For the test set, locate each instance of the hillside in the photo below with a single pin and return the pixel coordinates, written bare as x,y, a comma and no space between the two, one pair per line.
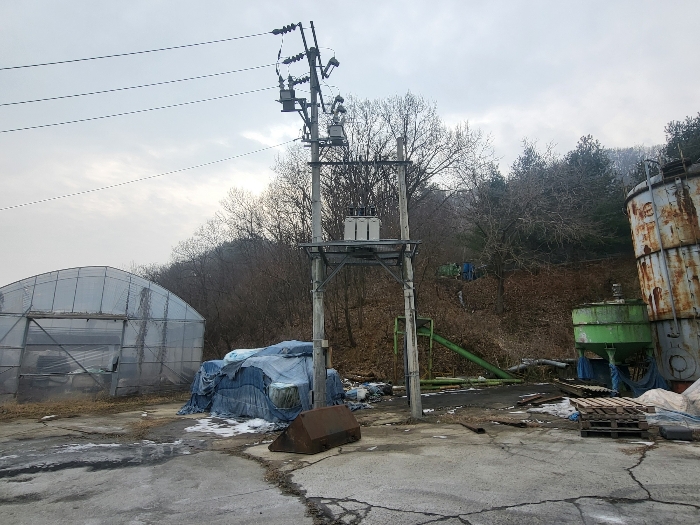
537,321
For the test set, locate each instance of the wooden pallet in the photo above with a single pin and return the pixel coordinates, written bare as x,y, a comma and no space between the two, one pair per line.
539,399
600,414
613,417
583,390
615,433
611,424
611,405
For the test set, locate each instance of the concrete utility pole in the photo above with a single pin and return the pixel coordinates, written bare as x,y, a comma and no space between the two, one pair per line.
408,294
318,270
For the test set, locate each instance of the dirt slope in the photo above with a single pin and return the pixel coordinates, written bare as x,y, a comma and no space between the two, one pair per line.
537,321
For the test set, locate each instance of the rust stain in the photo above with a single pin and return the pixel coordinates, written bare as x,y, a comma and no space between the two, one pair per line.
646,273
656,301
688,210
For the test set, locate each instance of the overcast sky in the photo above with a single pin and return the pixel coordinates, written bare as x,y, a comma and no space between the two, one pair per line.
549,70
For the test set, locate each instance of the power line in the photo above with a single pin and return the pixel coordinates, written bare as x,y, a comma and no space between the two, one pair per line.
135,87
137,111
133,52
49,199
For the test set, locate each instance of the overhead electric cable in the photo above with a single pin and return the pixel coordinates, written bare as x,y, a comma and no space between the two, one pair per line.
136,87
144,178
134,52
138,110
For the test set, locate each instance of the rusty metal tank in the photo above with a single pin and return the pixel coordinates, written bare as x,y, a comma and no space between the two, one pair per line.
666,237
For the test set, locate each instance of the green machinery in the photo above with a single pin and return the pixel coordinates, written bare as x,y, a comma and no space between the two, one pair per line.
426,328
614,330
449,270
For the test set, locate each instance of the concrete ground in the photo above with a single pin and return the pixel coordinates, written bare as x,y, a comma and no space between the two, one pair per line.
131,468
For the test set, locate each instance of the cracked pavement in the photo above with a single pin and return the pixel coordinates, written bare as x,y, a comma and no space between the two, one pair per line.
91,470
444,473
513,476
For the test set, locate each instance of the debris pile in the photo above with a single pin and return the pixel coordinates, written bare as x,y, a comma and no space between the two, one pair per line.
360,396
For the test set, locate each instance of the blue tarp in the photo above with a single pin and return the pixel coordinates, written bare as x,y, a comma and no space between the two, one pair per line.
584,369
239,388
652,379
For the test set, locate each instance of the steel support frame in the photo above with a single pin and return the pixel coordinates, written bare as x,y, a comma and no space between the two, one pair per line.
344,262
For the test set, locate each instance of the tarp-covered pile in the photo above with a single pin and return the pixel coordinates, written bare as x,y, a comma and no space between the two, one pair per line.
271,383
672,408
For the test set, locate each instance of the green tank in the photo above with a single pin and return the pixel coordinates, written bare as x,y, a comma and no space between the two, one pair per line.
614,330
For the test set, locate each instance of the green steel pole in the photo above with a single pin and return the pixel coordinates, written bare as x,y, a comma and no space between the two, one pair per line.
467,355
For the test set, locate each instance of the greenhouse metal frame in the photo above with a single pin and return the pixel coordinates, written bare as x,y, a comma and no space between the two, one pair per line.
95,330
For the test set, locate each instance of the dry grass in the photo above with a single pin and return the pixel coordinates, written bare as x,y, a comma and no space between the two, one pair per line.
140,429
537,321
79,407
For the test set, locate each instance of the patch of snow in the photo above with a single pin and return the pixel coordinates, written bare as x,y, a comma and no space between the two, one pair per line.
428,410
48,418
562,409
77,448
440,437
607,519
517,412
231,427
372,448
646,443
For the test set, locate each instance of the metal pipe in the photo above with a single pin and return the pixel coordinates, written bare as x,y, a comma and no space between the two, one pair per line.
662,251
473,428
502,374
536,362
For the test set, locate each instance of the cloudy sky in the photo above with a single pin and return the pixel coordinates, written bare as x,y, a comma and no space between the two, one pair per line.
546,70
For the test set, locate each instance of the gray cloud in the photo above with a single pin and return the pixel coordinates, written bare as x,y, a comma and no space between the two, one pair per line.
551,71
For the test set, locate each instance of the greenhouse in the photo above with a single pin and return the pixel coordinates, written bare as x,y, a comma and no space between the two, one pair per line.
95,330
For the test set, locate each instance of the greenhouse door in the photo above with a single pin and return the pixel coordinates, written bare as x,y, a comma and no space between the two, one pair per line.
68,357
12,328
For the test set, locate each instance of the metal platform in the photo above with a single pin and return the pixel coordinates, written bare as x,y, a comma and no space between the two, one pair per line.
387,253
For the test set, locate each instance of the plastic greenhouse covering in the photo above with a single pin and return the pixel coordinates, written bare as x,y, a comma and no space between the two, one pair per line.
271,383
95,329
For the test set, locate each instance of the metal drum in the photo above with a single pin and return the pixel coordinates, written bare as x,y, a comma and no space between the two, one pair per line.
615,330
666,233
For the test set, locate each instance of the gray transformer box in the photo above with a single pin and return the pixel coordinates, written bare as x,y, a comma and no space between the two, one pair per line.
362,228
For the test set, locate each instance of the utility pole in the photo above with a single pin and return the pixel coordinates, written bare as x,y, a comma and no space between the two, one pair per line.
409,295
318,270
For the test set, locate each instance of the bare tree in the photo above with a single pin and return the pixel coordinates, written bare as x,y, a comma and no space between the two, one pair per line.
244,270
545,205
